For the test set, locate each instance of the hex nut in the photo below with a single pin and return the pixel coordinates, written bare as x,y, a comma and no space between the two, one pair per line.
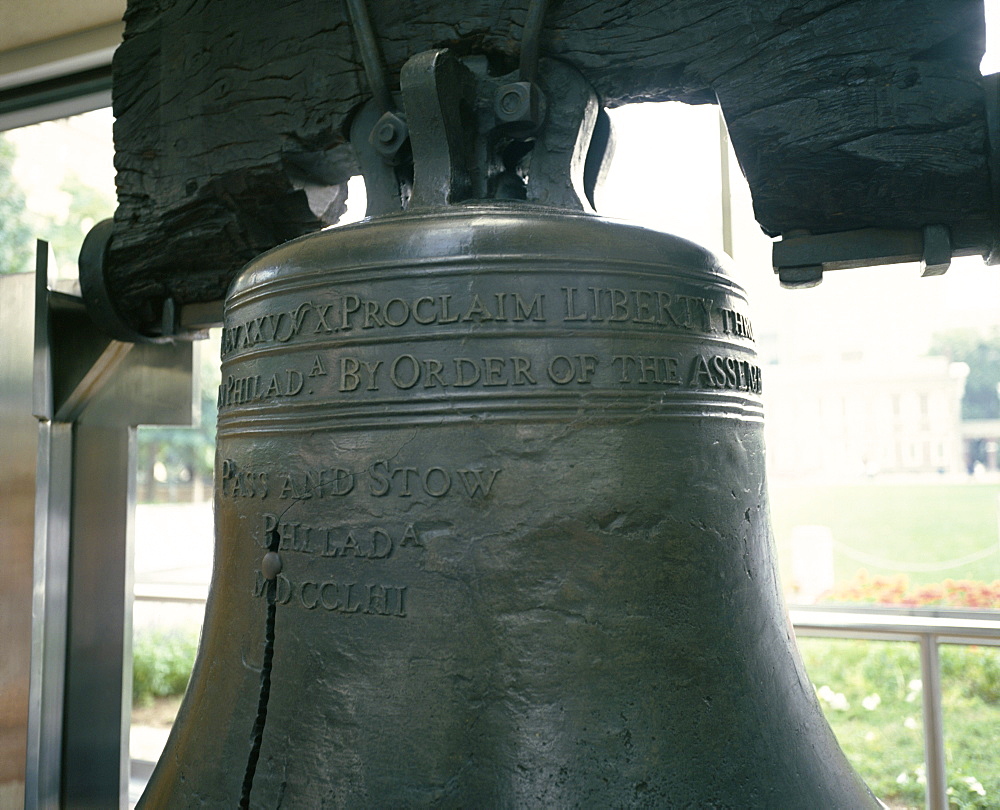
389,135
519,107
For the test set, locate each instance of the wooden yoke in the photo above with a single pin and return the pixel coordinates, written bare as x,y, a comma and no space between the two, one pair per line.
231,116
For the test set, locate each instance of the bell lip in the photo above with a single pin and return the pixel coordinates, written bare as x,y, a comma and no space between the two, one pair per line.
522,220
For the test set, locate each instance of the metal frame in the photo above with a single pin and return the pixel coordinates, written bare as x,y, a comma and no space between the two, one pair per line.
64,76
55,98
18,448
90,393
928,632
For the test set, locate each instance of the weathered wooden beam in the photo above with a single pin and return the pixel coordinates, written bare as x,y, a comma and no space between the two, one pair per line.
230,115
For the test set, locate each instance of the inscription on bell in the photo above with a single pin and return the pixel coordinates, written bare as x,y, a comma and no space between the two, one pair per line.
577,306
725,372
656,307
379,479
374,543
407,371
260,387
366,313
350,312
337,596
419,372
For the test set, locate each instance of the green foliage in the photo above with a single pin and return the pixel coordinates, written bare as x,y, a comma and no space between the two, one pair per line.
16,243
161,664
871,694
19,227
974,670
981,352
87,207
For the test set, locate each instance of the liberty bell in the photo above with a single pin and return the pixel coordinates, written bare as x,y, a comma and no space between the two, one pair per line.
492,524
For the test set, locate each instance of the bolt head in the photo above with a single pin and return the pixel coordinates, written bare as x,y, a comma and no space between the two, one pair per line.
386,133
270,566
512,102
389,135
519,107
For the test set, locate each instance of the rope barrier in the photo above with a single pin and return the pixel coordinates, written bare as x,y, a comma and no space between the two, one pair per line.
914,568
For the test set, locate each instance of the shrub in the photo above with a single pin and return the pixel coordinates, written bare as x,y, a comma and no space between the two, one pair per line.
871,694
161,664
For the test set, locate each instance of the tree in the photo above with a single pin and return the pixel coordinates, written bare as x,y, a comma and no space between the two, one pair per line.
16,247
981,352
87,206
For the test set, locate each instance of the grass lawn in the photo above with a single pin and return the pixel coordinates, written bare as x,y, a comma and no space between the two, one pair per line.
871,694
918,524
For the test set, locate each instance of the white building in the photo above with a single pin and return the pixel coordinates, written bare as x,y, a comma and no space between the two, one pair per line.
848,419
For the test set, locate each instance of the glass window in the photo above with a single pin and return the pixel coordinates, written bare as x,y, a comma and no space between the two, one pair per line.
57,179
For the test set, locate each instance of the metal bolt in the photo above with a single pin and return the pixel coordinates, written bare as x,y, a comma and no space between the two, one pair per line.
386,133
389,135
511,102
271,565
519,108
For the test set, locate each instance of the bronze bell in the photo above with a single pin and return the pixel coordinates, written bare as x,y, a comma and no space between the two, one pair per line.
491,512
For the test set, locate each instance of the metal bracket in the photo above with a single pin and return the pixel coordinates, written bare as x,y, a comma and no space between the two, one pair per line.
439,95
936,256
476,136
801,258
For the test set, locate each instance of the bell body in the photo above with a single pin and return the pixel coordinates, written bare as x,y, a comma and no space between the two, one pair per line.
506,467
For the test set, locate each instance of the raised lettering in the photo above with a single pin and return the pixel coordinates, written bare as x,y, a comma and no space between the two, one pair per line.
405,376
410,538
321,324
371,315
318,370
402,308
493,369
523,312
283,590
372,369
379,484
349,377
561,370
569,299
477,311
432,371
476,483
701,374
619,305
522,371
309,602
462,367
420,317
442,482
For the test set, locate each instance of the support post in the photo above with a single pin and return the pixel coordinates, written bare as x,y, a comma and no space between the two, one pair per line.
90,394
937,780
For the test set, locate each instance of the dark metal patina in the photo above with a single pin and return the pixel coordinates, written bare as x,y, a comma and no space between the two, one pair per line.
491,510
